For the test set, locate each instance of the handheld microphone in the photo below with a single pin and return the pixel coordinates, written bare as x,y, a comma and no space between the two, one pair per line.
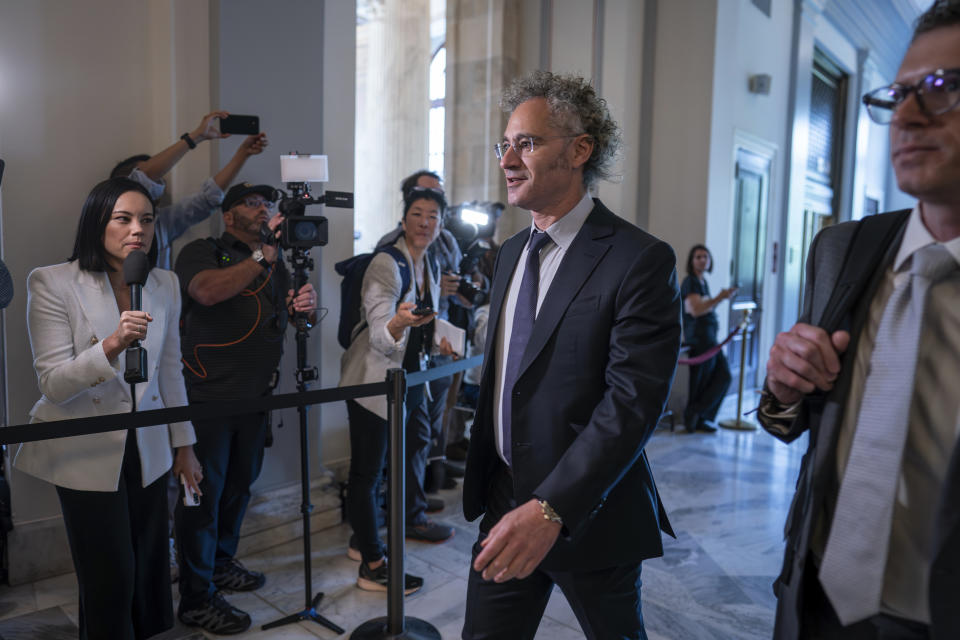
136,267
6,286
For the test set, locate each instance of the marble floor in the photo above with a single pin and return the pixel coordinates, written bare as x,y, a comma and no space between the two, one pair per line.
726,494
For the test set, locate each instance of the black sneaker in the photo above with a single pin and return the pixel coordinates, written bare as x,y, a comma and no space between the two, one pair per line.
377,579
233,576
429,531
216,615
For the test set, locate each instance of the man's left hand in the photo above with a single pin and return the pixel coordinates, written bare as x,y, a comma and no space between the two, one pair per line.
305,300
517,544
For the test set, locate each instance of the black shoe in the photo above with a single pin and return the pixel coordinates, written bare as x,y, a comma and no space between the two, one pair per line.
429,531
377,579
233,576
434,505
706,427
216,615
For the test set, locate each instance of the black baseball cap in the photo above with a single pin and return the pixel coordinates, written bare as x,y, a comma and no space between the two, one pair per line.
238,191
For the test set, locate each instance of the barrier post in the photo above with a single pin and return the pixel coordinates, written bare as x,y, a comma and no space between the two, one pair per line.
738,423
396,625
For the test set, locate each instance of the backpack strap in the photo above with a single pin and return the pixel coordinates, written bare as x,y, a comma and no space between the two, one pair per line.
402,264
871,239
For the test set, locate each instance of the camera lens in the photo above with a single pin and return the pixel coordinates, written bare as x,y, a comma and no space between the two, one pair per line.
305,231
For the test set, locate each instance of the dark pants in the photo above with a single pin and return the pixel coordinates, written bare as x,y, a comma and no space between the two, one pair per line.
369,440
708,386
118,541
605,601
820,621
231,452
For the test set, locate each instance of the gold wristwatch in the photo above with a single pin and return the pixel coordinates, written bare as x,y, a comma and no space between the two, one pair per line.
548,512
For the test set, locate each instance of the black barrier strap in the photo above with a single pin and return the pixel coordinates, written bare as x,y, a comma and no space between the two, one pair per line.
116,421
443,370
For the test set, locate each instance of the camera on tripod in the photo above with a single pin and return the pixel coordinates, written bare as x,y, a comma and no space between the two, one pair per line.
299,230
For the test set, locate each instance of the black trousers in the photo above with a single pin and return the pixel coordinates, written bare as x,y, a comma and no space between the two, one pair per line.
231,452
369,444
118,541
708,386
605,601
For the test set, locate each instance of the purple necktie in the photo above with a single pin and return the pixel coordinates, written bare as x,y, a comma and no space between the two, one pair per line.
524,313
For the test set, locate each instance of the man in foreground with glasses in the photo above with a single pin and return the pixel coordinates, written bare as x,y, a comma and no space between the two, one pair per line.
236,303
870,371
581,349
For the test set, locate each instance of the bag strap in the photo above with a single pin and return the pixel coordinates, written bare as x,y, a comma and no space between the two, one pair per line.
871,239
402,264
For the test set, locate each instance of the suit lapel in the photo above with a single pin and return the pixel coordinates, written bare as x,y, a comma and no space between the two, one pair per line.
581,259
97,302
154,304
507,262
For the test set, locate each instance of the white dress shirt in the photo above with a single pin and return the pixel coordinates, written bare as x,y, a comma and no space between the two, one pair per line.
562,232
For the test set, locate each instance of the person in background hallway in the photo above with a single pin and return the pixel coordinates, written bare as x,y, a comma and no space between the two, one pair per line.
112,486
873,535
708,381
582,344
173,220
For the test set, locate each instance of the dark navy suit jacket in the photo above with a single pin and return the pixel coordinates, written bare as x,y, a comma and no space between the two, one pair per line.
593,383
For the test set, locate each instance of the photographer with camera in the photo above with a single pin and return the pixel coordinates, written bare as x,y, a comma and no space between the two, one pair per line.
395,330
174,219
236,305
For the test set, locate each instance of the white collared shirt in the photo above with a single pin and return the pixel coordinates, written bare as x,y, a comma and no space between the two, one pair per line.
562,232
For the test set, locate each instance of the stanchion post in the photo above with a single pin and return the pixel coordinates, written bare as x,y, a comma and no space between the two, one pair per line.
738,423
396,394
396,626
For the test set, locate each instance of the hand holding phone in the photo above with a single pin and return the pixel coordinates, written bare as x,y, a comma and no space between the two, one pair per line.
422,311
190,497
246,125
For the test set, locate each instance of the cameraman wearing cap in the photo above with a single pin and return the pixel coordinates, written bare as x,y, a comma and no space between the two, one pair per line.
236,305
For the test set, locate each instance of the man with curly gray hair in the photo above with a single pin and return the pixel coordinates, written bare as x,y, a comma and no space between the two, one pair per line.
581,348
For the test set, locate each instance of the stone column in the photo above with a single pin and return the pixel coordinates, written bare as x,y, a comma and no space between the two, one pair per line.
393,61
483,41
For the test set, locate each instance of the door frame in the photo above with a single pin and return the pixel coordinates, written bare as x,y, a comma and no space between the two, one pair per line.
769,151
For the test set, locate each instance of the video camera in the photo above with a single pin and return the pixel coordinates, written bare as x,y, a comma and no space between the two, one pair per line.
472,225
299,230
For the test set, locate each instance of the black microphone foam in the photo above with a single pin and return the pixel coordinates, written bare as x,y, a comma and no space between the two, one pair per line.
136,268
6,286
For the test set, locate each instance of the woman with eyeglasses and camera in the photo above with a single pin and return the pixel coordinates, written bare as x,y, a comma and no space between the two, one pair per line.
112,486
395,331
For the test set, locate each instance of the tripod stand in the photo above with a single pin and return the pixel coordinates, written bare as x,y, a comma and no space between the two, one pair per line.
301,263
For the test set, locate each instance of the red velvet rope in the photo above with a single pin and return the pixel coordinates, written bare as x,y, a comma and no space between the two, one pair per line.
712,351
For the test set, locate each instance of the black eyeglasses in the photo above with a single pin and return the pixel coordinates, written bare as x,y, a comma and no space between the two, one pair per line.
937,93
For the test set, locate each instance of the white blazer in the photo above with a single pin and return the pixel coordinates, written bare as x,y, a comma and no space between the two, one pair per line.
69,313
374,351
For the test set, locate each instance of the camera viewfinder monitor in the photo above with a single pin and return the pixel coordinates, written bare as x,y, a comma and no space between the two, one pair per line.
303,168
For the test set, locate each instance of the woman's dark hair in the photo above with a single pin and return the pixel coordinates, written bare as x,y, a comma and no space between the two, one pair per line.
693,251
423,193
411,180
88,248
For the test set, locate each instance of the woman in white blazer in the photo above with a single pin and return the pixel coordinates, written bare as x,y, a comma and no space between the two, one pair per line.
392,336
112,486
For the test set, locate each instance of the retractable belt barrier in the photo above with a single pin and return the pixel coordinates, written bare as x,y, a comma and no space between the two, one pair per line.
116,421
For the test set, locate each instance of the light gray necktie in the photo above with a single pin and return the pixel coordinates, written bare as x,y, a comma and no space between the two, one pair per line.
856,552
